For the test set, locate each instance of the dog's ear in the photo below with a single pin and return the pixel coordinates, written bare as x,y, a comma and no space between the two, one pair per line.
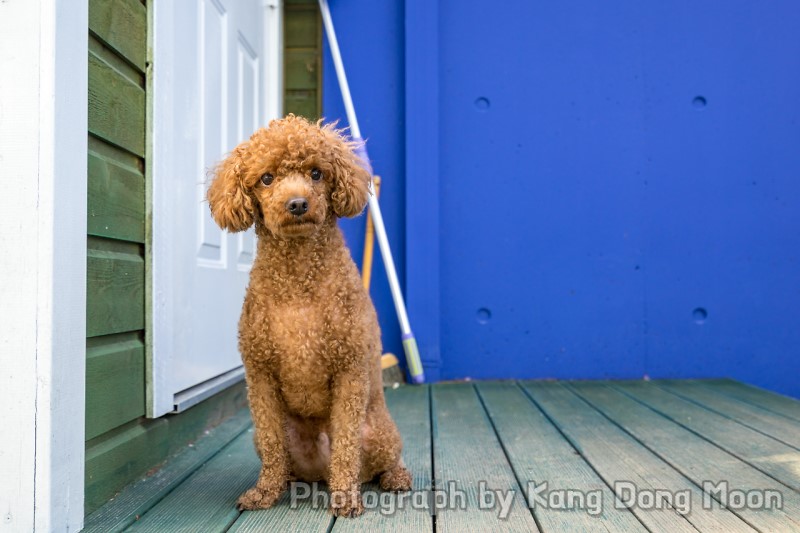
231,205
351,178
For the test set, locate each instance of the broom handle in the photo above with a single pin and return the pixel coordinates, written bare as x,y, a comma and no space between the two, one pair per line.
369,240
409,343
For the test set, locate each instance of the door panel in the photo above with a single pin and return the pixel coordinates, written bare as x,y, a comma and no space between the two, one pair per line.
212,44
216,80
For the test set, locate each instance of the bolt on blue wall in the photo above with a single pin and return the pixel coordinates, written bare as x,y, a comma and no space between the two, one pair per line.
618,183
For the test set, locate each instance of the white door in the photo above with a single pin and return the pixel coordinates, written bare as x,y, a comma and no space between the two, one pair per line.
216,79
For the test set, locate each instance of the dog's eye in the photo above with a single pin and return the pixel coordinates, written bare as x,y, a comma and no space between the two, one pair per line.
267,178
316,174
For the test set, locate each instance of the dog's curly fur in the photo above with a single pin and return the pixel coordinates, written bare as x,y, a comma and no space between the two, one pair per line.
308,333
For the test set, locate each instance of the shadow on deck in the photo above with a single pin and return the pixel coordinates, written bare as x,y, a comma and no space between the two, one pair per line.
521,456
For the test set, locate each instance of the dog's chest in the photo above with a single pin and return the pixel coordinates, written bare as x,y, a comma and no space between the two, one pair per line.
295,325
302,366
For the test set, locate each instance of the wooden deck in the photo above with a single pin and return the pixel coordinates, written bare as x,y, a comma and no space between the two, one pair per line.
616,456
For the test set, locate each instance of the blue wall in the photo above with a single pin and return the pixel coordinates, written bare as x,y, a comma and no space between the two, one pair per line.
617,186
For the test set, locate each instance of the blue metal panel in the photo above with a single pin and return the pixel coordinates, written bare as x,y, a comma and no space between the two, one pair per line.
618,189
723,196
422,182
608,169
541,210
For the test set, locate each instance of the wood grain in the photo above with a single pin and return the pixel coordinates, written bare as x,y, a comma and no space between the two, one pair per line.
766,454
116,107
206,500
696,458
302,59
115,292
302,69
121,25
777,426
116,199
768,400
585,436
467,453
287,516
114,382
303,103
301,26
618,458
540,454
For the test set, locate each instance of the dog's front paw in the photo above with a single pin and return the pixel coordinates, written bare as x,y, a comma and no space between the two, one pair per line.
257,498
346,503
397,479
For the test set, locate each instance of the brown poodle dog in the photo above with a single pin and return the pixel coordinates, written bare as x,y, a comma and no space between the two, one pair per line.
308,333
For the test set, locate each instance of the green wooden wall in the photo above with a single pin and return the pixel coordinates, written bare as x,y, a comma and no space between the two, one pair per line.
302,56
115,310
121,444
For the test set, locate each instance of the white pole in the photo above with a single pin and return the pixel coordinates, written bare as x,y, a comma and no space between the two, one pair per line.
409,343
43,144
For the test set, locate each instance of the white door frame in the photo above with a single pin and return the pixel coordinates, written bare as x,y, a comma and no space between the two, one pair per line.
161,397
43,179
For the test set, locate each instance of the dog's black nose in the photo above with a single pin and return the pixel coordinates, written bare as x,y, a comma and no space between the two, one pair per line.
297,206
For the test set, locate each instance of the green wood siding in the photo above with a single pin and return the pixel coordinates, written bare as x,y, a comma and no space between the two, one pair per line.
116,106
122,26
302,30
116,193
115,368
115,297
119,442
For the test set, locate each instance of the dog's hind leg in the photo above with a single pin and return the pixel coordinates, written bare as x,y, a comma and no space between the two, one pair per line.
396,479
382,448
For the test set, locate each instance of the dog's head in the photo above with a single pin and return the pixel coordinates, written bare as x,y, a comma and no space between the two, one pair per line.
293,177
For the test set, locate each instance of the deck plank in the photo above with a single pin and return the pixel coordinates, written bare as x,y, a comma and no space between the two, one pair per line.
287,514
410,409
540,454
766,454
777,426
139,497
206,500
671,436
618,458
467,453
768,400
695,457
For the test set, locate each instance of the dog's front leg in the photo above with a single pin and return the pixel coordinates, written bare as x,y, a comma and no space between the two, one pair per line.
269,415
348,412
